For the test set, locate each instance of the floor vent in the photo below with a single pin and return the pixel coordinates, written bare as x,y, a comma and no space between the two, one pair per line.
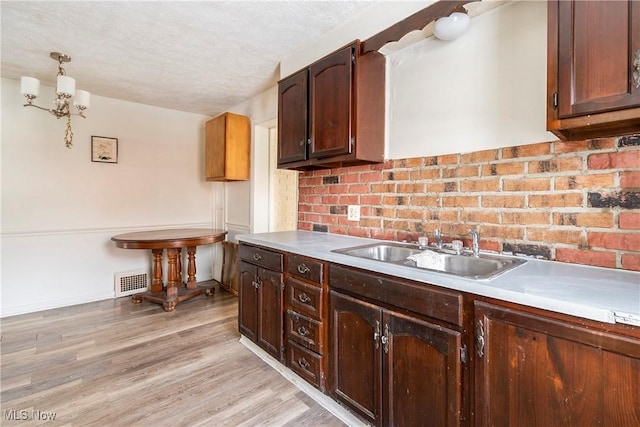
131,282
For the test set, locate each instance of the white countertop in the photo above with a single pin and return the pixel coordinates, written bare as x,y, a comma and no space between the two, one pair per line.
601,294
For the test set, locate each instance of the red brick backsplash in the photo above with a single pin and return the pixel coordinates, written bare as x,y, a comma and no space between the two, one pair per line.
576,202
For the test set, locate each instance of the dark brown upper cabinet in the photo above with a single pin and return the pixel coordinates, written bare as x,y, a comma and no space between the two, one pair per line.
292,118
331,113
593,80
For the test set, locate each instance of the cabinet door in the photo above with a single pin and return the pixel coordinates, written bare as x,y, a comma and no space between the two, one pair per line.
215,154
248,301
270,315
597,44
227,148
422,371
355,355
552,373
331,104
292,118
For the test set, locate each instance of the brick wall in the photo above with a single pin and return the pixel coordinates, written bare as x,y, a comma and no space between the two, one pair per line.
576,202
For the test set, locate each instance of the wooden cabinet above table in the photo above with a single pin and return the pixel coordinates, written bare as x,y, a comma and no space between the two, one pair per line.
227,149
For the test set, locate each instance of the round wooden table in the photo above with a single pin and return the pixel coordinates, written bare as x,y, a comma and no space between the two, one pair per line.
173,240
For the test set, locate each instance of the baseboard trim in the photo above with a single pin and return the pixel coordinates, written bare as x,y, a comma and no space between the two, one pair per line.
323,400
53,304
67,302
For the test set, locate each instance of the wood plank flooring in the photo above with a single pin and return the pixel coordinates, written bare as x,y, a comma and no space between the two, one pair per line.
113,363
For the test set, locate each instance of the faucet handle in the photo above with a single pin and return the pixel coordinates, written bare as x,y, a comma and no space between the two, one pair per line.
475,241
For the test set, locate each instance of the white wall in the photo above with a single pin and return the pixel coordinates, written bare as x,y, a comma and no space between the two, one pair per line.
487,89
59,209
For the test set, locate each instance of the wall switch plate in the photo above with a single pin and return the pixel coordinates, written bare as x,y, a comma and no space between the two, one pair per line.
353,213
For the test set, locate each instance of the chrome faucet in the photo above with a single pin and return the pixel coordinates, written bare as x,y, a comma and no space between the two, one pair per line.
475,242
438,237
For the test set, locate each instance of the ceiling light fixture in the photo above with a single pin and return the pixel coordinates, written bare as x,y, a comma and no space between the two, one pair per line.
452,26
65,89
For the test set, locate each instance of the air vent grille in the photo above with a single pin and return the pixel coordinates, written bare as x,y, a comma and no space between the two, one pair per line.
131,282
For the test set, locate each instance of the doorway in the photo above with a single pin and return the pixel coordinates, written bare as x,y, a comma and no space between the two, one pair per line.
283,191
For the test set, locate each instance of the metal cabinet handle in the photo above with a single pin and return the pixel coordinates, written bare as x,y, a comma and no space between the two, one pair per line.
304,298
257,257
480,339
302,331
303,363
376,335
385,339
303,269
635,69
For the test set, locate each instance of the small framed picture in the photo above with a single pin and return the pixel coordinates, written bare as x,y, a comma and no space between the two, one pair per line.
104,149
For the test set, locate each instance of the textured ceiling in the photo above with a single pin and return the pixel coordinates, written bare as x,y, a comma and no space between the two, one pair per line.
202,57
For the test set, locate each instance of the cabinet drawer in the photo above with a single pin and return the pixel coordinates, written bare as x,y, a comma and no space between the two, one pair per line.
305,268
305,363
304,298
304,331
417,297
262,257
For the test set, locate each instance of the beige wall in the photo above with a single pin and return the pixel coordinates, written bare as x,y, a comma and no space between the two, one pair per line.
59,209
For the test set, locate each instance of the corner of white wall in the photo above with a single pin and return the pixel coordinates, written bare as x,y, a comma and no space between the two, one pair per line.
376,18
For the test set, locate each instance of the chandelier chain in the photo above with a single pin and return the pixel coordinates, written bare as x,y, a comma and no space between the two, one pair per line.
61,71
68,134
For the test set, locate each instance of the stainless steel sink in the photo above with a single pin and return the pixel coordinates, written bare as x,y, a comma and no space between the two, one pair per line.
387,252
464,265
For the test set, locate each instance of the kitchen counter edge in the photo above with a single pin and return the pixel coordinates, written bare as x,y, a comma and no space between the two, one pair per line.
595,293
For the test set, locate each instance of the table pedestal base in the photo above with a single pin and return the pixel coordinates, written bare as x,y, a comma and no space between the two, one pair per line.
175,295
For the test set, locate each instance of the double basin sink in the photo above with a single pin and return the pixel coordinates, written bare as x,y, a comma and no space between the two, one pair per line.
464,264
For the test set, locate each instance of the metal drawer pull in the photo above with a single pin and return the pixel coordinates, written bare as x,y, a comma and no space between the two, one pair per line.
257,257
304,298
303,269
303,363
302,331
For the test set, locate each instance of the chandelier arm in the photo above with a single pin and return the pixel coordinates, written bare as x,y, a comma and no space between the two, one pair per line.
56,112
51,110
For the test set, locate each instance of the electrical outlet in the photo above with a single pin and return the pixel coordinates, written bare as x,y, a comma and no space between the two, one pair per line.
353,213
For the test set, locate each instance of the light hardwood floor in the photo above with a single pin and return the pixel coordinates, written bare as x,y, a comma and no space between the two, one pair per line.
113,363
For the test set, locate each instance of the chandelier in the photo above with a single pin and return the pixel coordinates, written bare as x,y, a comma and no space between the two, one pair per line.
65,90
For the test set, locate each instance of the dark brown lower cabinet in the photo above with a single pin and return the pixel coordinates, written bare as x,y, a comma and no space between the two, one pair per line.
536,371
260,308
393,369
